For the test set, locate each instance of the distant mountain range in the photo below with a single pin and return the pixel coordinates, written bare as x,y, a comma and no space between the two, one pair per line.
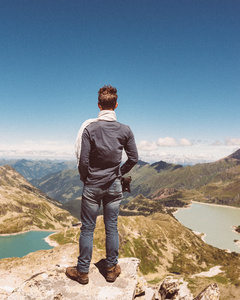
63,186
24,207
216,182
32,169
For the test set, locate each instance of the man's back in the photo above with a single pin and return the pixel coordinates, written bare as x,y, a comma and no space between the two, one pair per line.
102,146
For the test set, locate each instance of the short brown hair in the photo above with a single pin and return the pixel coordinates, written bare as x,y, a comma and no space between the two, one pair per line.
107,97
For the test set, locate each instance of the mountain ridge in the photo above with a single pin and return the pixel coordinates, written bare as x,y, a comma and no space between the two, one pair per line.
235,155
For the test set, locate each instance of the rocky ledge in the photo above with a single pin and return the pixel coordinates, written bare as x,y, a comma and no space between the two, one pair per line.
53,284
41,275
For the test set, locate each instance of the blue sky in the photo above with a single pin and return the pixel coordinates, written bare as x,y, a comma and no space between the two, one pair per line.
175,63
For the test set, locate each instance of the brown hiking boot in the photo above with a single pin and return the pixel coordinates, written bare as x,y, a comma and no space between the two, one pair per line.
113,273
74,274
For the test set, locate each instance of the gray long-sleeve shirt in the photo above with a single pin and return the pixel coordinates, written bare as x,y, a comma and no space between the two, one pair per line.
101,153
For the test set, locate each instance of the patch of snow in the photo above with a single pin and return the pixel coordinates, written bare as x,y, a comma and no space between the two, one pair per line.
212,272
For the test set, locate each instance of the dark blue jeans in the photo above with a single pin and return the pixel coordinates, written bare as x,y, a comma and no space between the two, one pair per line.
91,201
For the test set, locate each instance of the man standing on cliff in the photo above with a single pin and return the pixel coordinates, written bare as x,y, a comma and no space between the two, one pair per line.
99,147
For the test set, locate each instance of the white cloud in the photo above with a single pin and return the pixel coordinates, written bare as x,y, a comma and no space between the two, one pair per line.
217,143
152,151
186,151
185,142
39,149
147,146
232,142
167,142
162,142
197,153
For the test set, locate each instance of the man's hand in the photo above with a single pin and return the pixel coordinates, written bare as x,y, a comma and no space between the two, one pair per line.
125,181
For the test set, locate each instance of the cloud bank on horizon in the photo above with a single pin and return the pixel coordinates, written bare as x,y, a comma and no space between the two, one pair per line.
186,151
167,149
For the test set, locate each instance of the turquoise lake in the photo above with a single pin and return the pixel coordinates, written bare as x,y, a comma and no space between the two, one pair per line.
20,245
215,221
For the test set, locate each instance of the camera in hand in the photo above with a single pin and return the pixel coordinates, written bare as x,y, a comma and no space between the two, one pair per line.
125,181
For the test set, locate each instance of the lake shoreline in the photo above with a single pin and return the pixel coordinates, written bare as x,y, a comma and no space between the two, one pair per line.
214,204
51,242
22,232
46,239
203,203
201,235
22,243
201,223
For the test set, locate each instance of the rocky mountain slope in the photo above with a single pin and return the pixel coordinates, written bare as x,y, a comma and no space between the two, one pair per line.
24,207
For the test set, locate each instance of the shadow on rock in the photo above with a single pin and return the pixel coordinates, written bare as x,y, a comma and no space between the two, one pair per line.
101,265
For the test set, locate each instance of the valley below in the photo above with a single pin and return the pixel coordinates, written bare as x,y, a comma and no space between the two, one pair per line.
148,228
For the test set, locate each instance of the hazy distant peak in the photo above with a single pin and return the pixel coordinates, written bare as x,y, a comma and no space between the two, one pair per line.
162,165
235,155
142,163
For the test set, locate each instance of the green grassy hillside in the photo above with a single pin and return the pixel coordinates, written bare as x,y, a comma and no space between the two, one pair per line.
147,181
63,186
223,189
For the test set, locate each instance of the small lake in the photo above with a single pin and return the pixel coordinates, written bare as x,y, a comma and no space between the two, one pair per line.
20,245
215,221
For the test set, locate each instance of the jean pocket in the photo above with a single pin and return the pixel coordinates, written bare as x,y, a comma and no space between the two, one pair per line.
89,192
115,188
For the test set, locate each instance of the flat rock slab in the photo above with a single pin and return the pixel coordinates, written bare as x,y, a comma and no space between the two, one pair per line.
53,284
